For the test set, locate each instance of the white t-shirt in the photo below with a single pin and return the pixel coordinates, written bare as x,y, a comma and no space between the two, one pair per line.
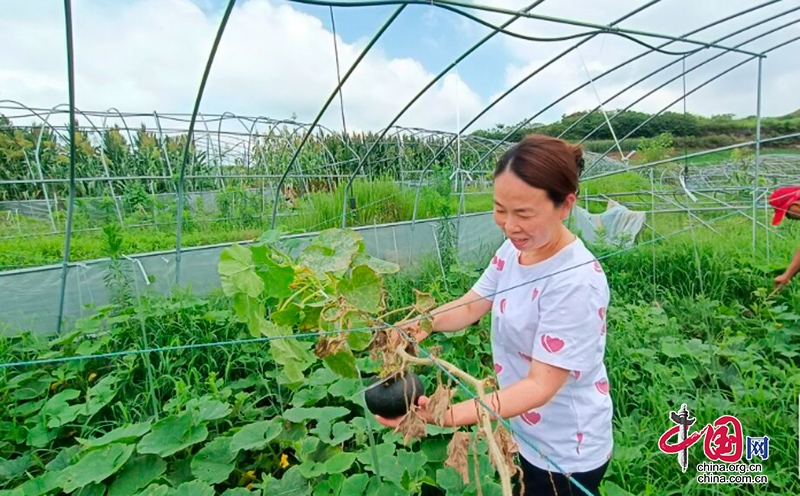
558,319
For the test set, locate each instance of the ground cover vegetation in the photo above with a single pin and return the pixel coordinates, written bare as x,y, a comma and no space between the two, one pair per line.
691,321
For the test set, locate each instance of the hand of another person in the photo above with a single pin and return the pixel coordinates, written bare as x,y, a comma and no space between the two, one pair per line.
782,280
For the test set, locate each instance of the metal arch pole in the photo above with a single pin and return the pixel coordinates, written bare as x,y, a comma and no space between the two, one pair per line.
428,86
70,207
606,73
691,155
695,31
221,29
451,4
333,94
683,74
758,151
735,66
514,88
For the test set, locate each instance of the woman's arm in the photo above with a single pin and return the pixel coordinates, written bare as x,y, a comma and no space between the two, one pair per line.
450,317
460,313
534,390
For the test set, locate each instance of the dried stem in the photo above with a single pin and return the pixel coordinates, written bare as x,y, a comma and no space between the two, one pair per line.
484,421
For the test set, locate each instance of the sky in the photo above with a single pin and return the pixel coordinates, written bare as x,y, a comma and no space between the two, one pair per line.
276,59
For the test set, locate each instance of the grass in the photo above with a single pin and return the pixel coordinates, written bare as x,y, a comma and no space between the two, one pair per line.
690,322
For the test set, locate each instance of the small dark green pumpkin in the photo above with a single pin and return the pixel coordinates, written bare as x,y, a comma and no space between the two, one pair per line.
391,399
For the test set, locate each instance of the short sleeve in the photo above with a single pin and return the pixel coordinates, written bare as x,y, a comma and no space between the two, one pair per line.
571,330
486,285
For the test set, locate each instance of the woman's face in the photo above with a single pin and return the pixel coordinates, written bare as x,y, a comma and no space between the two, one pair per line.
526,214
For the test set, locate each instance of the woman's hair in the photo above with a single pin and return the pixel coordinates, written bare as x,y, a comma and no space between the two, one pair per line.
546,163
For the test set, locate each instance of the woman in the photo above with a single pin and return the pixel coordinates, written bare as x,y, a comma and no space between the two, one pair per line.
786,203
548,296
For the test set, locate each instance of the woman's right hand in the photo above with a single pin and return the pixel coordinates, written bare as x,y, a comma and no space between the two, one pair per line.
411,328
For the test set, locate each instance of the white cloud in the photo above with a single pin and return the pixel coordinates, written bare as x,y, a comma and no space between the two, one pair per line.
732,93
273,61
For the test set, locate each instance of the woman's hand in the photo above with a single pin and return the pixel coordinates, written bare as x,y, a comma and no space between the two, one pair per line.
396,338
421,409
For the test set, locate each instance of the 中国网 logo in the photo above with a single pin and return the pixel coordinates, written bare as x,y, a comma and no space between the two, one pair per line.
723,440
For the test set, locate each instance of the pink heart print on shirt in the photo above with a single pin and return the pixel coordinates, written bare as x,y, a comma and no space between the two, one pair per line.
579,436
597,267
577,374
602,386
531,418
499,262
498,368
503,306
535,294
551,344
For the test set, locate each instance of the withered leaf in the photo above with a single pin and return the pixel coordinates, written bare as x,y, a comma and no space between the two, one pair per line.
424,302
411,427
439,403
508,447
327,346
457,452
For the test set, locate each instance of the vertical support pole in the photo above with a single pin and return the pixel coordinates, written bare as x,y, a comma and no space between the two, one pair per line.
189,136
71,203
758,151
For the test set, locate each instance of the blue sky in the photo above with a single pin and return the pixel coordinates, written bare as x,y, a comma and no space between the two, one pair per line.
432,36
276,60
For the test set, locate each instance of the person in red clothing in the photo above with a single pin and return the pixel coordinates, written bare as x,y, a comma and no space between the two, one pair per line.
786,203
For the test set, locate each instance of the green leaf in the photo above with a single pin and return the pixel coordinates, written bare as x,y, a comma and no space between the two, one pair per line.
240,491
291,484
450,480
331,486
256,435
207,409
288,317
363,289
339,463
612,489
237,274
58,411
343,363
331,251
137,474
193,488
94,489
270,237
276,277
99,395
121,434
311,469
215,462
95,466
329,413
172,434
355,485
376,264
10,469
155,490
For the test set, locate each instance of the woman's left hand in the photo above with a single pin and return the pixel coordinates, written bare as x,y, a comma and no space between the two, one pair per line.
421,409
